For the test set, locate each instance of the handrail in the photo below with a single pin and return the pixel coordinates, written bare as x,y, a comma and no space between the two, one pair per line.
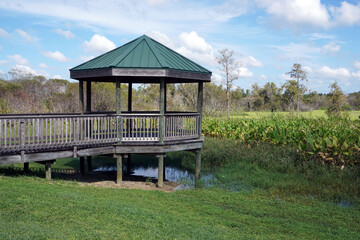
32,133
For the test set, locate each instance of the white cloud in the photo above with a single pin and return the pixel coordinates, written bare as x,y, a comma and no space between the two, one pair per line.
25,70
298,12
307,69
346,14
98,44
86,58
3,33
331,48
43,65
245,73
263,77
357,64
155,2
18,59
0,47
284,77
193,42
56,56
161,38
24,35
66,33
297,52
57,77
216,78
320,36
3,62
196,48
356,74
251,62
334,73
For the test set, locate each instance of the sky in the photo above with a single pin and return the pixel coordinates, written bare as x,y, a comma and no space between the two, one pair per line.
48,37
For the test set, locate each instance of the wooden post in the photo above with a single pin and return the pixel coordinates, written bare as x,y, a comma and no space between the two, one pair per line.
119,170
197,167
88,96
89,163
165,96
82,166
160,182
164,175
130,97
128,162
81,96
26,167
162,111
48,170
200,105
118,108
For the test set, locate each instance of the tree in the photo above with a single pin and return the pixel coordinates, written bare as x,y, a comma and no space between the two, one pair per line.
337,100
299,76
229,69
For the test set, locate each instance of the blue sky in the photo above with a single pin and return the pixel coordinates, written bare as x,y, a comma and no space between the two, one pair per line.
49,37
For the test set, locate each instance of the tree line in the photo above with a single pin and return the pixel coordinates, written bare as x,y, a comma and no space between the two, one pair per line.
26,93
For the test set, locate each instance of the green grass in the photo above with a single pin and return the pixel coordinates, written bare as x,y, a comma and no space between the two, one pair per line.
311,114
32,208
262,192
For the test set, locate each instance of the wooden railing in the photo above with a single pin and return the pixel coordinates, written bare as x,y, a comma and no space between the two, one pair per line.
32,133
46,132
181,126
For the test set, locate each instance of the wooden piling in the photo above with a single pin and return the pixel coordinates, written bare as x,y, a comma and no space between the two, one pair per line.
160,182
119,170
48,170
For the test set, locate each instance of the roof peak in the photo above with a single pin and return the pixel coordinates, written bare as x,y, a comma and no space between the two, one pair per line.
142,53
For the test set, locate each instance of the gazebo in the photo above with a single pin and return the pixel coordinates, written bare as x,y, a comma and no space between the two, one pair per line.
125,131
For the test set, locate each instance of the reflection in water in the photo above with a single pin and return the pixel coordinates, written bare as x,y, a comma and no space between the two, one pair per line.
171,174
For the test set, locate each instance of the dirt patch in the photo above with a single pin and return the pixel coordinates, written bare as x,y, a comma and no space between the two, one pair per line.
168,185
108,180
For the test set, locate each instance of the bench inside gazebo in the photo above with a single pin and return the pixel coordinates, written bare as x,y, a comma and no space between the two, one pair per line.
47,137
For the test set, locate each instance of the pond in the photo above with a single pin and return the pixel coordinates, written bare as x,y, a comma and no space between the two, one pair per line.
173,172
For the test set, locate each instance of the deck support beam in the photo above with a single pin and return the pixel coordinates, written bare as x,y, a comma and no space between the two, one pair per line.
88,96
162,111
118,108
81,96
197,167
129,97
200,105
160,183
48,170
119,168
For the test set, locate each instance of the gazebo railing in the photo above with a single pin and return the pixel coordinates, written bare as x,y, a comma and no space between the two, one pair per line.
31,133
57,131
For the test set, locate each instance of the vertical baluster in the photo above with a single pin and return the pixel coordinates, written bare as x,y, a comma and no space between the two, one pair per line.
1,133
46,130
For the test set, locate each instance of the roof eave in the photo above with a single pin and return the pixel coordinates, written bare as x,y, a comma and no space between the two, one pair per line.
139,73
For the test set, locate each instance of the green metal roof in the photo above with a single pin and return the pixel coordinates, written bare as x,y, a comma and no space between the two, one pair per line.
142,53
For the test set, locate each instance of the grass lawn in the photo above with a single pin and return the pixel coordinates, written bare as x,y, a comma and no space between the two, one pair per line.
262,192
32,208
312,114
